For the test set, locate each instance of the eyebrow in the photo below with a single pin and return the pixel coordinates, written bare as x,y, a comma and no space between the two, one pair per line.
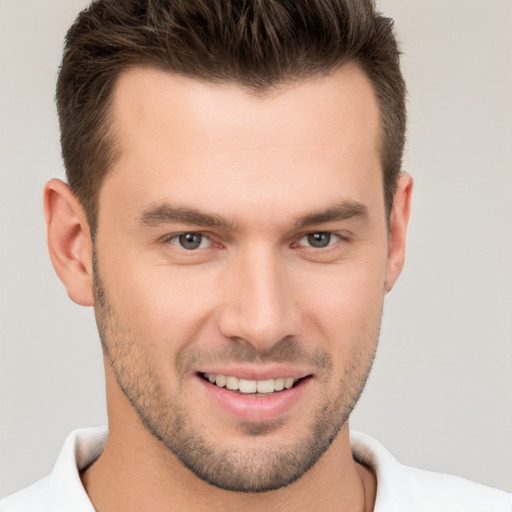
344,210
166,213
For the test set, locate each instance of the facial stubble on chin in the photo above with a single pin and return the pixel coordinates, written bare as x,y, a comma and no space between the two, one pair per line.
165,415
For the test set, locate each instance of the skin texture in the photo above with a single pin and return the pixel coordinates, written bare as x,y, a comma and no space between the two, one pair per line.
255,298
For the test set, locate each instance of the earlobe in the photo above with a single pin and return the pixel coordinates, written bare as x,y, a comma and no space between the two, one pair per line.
69,241
399,219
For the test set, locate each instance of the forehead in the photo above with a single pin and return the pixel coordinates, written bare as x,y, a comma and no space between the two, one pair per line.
175,133
196,115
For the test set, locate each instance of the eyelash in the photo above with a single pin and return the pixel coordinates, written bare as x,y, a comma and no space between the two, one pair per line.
174,240
328,233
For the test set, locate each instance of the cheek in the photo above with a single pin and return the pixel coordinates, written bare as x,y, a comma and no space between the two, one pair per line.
166,305
344,307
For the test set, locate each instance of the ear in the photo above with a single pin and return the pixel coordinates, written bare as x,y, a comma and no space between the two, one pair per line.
398,221
69,241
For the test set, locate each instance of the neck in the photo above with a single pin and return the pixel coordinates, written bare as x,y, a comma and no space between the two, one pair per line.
129,478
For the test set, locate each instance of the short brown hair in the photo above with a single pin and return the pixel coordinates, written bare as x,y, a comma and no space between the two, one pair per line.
257,44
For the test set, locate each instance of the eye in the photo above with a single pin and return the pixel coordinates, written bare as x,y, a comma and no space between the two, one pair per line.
190,241
319,240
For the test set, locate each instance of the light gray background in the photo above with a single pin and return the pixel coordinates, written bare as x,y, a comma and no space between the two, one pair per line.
440,396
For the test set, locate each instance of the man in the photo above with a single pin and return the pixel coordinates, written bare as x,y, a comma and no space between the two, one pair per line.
235,214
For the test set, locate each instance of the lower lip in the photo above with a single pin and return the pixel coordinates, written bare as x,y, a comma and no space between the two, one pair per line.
254,408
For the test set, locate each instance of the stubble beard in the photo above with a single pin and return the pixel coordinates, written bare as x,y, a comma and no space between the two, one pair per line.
166,417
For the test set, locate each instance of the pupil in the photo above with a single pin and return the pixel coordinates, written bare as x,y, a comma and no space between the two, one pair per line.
319,239
190,240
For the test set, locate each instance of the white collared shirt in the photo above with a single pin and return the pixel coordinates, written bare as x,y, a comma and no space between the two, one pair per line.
399,488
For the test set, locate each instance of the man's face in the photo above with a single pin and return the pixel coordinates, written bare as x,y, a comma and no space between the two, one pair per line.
242,240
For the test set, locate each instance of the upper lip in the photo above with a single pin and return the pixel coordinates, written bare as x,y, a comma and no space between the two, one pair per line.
252,373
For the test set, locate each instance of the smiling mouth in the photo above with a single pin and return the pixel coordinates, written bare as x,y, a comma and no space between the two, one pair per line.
245,386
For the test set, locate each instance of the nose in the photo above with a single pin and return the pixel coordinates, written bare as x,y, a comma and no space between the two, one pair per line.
259,306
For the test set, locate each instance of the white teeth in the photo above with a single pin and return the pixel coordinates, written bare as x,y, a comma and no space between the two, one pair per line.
232,383
265,386
251,386
279,384
247,386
